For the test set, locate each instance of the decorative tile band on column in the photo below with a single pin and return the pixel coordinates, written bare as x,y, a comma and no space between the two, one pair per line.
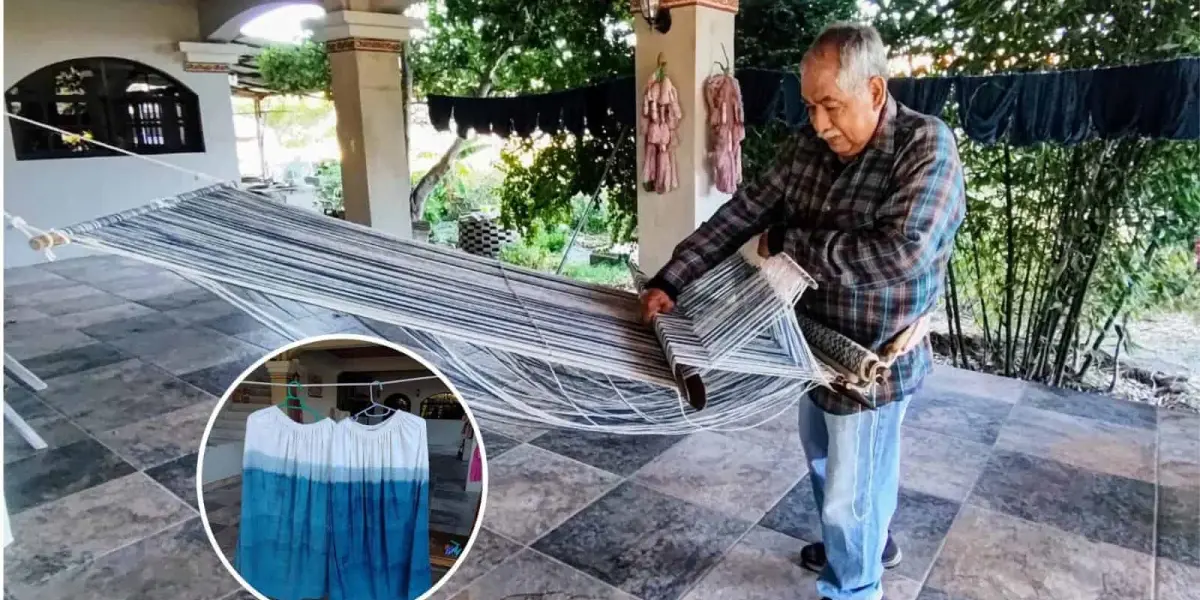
206,67
724,5
364,45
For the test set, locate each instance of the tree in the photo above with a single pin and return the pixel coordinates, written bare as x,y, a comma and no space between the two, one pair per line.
538,191
484,48
1060,242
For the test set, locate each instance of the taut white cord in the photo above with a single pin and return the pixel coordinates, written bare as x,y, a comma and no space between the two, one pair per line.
31,232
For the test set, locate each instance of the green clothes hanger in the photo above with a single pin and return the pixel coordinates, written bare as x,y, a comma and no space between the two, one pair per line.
292,397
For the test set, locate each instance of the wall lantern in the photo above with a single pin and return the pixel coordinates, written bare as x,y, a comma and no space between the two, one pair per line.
658,18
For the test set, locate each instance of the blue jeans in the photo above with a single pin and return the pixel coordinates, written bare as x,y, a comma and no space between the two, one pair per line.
855,465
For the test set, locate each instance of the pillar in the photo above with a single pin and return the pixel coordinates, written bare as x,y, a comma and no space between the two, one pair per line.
279,371
364,39
691,49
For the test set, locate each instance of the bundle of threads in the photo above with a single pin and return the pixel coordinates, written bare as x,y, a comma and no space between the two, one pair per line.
661,115
726,130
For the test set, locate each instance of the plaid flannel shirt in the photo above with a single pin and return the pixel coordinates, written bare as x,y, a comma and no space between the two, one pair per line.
876,233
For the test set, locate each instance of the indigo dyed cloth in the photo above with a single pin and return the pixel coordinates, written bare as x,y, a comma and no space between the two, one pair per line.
380,499
283,540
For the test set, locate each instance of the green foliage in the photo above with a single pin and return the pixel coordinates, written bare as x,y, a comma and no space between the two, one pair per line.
297,121
298,69
543,176
617,276
539,189
1060,243
463,190
329,184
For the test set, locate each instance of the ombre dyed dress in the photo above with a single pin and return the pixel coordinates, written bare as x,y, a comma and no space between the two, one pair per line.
380,496
283,546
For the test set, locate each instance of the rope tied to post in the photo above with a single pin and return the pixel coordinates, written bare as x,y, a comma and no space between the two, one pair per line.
39,239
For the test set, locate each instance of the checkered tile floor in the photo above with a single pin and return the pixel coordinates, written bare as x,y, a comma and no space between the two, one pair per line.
1010,490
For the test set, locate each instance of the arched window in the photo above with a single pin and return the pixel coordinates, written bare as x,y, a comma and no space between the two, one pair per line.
115,101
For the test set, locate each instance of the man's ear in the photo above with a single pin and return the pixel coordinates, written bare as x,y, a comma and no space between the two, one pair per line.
878,87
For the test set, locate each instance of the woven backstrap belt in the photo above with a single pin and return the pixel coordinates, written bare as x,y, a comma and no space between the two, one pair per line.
851,369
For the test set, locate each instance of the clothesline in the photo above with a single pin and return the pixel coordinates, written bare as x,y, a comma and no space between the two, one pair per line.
1158,99
365,383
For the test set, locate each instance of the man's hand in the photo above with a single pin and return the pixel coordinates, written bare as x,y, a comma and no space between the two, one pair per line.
764,250
655,301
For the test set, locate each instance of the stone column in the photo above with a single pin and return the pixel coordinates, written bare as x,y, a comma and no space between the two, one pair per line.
279,370
690,49
364,39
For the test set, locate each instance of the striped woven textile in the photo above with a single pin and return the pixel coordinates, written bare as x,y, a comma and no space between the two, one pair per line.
522,346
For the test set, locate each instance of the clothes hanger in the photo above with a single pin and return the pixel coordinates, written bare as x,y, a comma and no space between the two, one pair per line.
371,392
291,396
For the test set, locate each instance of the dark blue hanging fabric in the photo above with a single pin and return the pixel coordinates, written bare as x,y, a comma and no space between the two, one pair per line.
985,105
549,117
574,110
926,95
1158,100
440,109
1052,107
621,96
760,94
791,104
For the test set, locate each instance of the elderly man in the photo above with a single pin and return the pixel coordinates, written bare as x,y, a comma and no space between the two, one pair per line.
867,198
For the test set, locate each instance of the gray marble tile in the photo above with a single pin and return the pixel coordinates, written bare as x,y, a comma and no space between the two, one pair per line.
765,565
112,312
84,302
520,433
956,415
120,394
145,285
645,543
1176,581
947,380
232,324
105,269
179,476
35,294
940,465
530,491
217,380
22,314
66,362
176,563
29,274
53,474
178,300
162,438
724,474
488,550
264,338
779,436
186,349
74,530
1091,406
1179,449
28,340
918,526
203,312
930,593
620,454
990,556
1086,443
495,444
531,575
53,428
1179,525
149,321
1100,507
796,514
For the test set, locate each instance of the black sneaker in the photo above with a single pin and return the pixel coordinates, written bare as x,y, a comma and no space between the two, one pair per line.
812,556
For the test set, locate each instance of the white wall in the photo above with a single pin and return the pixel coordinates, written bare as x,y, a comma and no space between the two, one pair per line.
61,192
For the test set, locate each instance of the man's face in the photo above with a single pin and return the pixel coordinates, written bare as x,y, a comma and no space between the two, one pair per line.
845,119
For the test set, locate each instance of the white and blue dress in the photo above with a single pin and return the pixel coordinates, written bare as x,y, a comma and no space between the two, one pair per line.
335,510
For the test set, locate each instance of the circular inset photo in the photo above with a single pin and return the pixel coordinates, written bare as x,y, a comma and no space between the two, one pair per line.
341,467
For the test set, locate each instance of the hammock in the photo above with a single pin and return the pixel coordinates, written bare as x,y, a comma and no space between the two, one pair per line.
523,347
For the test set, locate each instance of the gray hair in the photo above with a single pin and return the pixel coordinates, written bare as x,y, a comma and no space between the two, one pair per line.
861,53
